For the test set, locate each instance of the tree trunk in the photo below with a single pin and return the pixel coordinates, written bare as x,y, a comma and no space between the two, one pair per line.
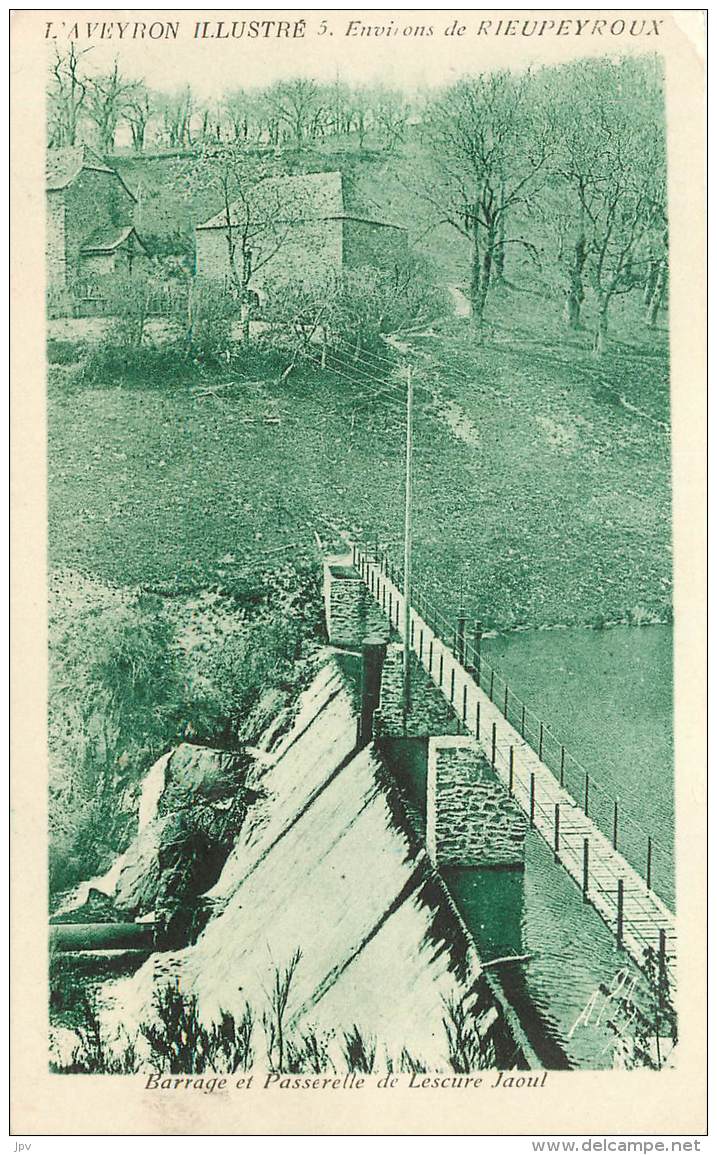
658,293
499,256
245,331
652,276
600,341
482,271
575,292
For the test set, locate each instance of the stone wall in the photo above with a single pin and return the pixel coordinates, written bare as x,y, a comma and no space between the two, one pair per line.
94,200
471,818
429,714
307,250
55,241
352,614
370,243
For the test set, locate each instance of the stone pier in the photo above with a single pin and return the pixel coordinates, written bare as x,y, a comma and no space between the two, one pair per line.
471,819
351,612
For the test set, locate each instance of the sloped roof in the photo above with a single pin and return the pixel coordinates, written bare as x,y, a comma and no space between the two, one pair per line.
108,238
312,196
64,165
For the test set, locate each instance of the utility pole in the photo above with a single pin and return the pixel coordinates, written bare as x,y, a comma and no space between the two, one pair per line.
407,542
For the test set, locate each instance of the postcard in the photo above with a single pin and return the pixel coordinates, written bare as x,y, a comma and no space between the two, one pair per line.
358,451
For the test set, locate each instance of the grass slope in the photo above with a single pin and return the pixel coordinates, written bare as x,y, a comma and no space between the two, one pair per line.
540,497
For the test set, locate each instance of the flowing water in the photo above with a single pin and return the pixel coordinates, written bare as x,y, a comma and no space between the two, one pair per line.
150,793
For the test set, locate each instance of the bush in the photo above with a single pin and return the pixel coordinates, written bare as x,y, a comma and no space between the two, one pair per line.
358,307
211,312
65,352
139,366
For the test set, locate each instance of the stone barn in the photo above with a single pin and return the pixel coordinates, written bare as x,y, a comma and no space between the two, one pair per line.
299,226
90,227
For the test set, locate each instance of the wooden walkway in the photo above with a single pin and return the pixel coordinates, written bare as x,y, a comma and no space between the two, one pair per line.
634,913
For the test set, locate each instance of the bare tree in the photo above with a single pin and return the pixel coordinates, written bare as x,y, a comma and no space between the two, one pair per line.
361,116
108,98
611,159
236,107
339,103
177,110
490,145
137,113
295,103
66,97
254,227
391,113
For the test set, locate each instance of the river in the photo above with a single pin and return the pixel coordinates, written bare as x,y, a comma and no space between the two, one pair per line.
607,695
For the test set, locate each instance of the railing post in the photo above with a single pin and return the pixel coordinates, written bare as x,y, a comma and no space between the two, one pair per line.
662,966
505,702
532,799
420,645
440,670
586,867
540,743
614,824
587,794
492,745
430,656
492,678
462,638
562,765
522,722
464,711
556,841
478,719
478,634
453,684
511,768
413,631
648,875
620,910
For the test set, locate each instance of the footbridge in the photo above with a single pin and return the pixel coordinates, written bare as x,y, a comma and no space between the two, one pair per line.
623,896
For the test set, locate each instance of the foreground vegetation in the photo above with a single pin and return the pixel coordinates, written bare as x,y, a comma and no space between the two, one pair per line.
175,1040
132,674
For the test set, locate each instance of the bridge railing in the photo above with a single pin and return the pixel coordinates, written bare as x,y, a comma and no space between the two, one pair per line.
647,854
638,921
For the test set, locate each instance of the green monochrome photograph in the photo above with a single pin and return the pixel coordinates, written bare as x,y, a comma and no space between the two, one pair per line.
362,607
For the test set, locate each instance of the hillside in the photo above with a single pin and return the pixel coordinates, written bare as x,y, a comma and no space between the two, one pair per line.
541,476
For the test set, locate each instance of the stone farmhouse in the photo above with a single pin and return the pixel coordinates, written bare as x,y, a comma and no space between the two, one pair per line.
90,229
299,226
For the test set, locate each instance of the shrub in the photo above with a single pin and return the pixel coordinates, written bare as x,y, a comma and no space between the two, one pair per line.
140,366
65,352
210,314
359,306
129,301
